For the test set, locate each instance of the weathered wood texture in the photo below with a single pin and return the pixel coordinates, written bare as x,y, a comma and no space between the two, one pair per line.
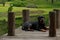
25,14
11,24
52,27
57,17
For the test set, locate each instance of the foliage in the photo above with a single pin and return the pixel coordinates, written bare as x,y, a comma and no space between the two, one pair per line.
19,3
3,2
10,8
38,3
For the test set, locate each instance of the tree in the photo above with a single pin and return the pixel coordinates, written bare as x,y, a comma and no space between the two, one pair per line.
52,1
3,2
10,8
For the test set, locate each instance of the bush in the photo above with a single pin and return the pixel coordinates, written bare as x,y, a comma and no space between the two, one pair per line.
19,3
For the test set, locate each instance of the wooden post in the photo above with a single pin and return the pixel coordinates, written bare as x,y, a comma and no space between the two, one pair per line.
25,14
57,18
52,28
11,24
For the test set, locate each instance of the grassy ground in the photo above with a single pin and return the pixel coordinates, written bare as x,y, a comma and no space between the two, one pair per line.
4,25
18,11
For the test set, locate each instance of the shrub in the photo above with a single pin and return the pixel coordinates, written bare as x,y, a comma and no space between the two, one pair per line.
10,8
19,3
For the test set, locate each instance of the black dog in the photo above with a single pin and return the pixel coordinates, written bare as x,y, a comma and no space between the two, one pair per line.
26,26
38,25
41,23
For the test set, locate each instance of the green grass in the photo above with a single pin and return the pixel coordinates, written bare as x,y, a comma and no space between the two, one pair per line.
18,11
48,4
4,25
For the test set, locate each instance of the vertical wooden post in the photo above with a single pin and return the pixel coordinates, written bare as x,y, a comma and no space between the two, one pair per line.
25,14
52,28
11,24
57,18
